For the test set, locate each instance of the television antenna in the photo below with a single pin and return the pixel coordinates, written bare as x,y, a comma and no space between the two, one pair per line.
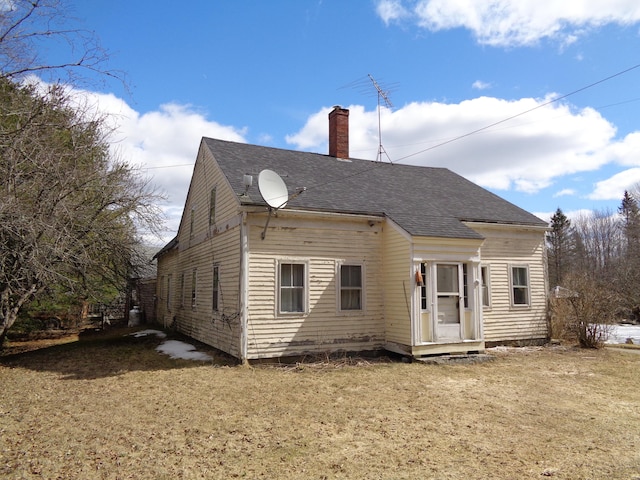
274,192
384,96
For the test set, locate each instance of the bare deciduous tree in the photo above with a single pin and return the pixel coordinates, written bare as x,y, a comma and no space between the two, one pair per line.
598,240
30,27
69,212
585,310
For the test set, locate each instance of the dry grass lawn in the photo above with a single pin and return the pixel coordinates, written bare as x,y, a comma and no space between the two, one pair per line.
111,407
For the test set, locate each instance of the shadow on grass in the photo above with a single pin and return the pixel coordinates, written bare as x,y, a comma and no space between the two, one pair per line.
107,353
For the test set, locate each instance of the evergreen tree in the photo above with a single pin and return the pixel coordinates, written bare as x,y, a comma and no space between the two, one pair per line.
630,213
560,240
628,274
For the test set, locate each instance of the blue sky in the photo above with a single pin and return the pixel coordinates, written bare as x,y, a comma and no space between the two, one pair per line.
268,72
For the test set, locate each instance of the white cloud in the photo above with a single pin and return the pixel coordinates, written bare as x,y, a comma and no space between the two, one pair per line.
613,188
391,10
526,153
480,85
564,192
626,151
513,23
164,144
546,216
573,215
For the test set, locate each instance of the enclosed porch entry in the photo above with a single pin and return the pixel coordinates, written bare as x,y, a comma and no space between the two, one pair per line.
448,307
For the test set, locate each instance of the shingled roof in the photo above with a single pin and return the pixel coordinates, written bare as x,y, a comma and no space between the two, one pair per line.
425,201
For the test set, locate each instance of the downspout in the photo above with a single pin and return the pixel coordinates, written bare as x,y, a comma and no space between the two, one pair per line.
244,289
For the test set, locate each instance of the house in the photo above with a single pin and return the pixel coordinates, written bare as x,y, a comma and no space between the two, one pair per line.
365,256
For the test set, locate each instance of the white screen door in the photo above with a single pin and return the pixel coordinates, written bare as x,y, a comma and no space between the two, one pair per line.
448,302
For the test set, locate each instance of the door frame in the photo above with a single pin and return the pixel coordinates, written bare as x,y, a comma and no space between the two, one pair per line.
458,297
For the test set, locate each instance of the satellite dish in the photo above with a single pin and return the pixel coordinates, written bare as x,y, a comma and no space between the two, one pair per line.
273,189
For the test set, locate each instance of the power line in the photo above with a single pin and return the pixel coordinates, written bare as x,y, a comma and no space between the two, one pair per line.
459,137
169,166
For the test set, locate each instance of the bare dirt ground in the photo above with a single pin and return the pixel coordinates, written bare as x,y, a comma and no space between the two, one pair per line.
109,406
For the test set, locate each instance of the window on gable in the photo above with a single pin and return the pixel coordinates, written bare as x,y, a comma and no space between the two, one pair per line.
520,285
216,288
169,293
192,220
212,207
292,287
350,287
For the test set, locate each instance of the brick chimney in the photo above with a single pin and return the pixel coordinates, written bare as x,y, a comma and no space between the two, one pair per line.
339,132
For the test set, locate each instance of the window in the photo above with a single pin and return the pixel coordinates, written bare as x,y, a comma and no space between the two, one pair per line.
447,279
192,219
423,289
292,284
216,288
350,287
169,277
194,279
484,278
520,286
212,207
465,285
182,290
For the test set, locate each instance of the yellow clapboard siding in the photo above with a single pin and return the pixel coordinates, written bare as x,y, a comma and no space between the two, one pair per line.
502,249
397,291
322,327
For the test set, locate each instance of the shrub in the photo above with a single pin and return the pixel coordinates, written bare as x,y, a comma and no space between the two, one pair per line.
584,311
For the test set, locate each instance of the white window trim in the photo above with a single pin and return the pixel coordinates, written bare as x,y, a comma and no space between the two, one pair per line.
363,297
305,293
511,287
487,279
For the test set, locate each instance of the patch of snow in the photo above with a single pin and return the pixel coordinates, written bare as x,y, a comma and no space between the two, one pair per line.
174,348
146,333
620,333
177,349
